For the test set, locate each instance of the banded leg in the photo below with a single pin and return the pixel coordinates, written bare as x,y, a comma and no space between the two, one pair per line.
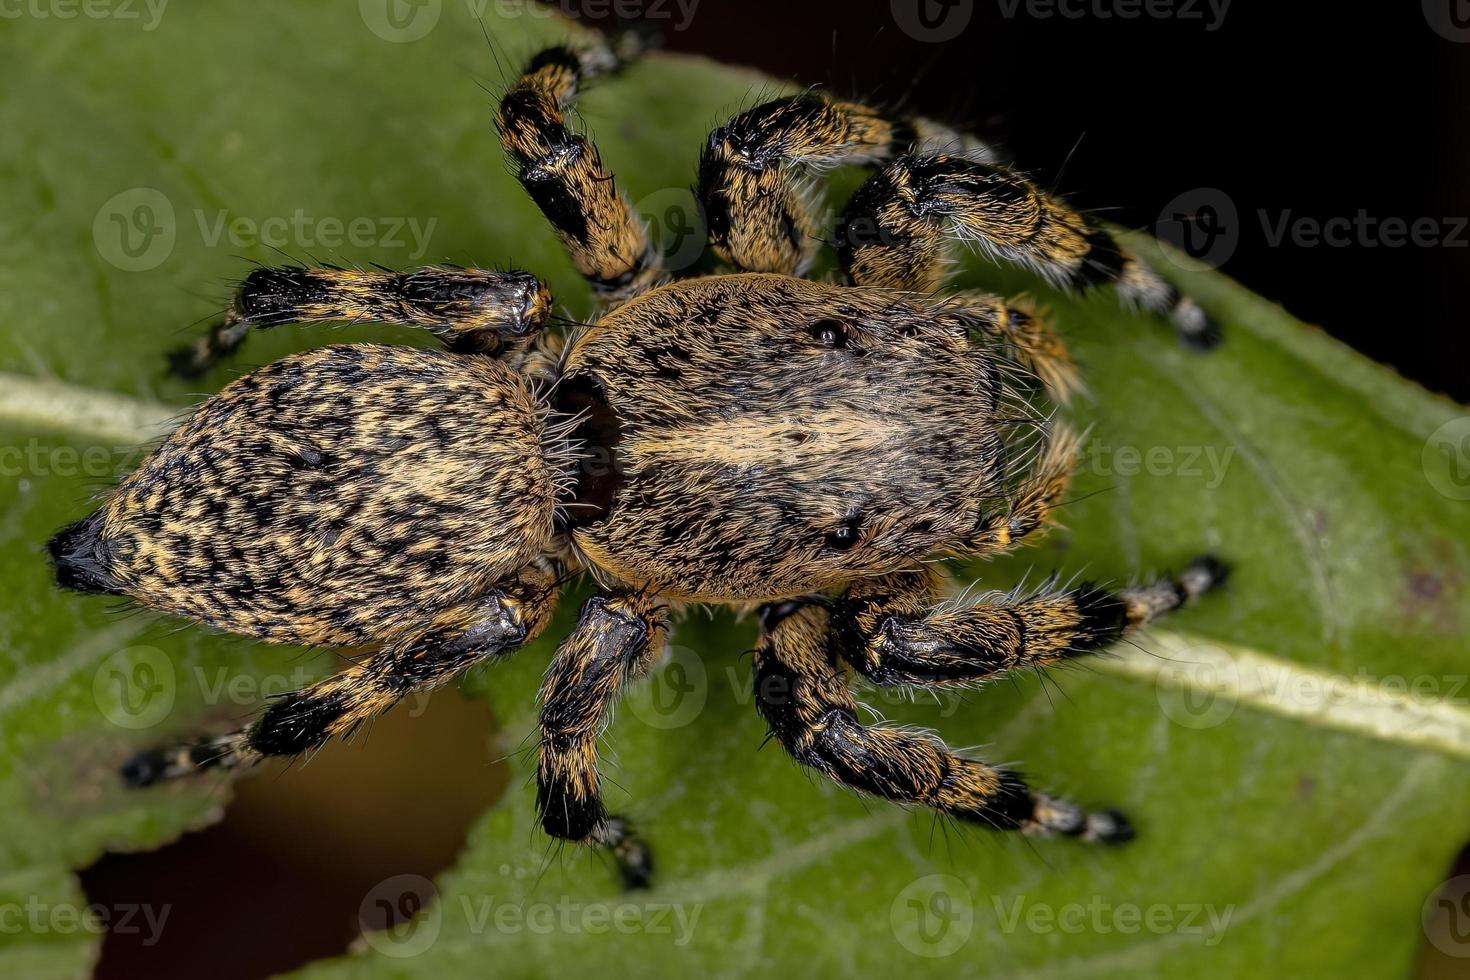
893,233
617,639
753,172
469,309
565,176
804,698
894,630
510,615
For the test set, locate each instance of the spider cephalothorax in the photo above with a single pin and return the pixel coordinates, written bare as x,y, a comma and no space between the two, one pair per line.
751,438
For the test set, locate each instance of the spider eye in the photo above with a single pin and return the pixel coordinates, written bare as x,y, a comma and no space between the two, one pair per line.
844,537
831,333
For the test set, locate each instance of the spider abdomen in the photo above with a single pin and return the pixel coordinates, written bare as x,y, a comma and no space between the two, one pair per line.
330,498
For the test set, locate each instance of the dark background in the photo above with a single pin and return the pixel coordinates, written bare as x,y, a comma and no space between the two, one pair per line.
1318,111
1312,111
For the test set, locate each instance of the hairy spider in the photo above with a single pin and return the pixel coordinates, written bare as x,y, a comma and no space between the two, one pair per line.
750,438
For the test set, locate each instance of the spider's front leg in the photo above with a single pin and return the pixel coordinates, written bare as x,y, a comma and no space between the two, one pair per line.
617,639
565,175
471,310
895,233
507,616
754,171
803,695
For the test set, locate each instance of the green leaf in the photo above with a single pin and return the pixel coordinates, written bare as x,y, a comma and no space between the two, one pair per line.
1293,750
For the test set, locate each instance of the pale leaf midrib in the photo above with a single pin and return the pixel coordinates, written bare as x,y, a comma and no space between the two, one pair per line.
58,405
1225,676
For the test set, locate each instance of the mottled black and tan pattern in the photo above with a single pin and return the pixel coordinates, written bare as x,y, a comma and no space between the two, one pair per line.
778,436
896,630
512,612
565,175
1026,338
617,640
344,496
803,695
896,231
753,175
760,204
469,309
752,439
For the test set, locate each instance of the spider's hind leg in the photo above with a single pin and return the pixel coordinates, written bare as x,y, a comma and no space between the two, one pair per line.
509,615
471,310
803,694
894,631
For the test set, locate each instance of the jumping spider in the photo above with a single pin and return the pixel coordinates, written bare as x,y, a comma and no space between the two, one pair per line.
754,439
